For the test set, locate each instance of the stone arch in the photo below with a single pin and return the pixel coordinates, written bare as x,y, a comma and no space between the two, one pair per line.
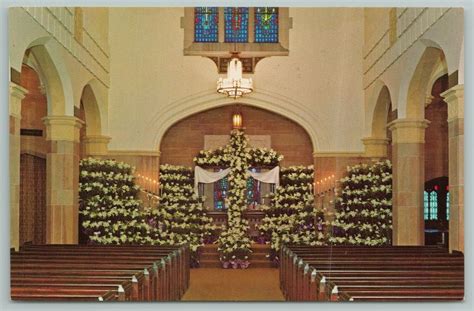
380,113
431,64
46,56
92,112
204,101
184,139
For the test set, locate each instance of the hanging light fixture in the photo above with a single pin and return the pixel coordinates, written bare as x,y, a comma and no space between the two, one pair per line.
234,85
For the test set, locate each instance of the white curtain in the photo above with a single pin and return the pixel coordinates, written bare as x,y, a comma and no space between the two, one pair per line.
206,177
270,177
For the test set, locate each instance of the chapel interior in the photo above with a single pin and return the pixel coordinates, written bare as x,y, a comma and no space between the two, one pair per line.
182,103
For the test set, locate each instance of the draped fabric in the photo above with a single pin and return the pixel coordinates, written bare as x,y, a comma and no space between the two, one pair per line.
270,177
206,177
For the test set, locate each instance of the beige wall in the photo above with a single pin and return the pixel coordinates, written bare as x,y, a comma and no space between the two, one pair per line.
96,25
376,24
322,80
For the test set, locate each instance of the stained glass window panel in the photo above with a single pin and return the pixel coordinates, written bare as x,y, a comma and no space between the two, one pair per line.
220,193
447,206
433,205
426,204
266,25
206,24
253,192
236,24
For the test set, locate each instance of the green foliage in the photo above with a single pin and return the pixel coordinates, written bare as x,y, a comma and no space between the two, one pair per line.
291,217
180,217
109,210
364,207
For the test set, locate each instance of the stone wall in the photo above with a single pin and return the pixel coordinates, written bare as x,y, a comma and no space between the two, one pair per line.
185,139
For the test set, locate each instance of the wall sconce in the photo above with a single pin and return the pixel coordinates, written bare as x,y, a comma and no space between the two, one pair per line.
237,120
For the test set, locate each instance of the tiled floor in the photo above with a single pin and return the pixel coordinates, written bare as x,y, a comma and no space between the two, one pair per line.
234,285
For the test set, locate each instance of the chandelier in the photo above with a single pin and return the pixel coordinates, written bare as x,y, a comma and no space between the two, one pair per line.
234,85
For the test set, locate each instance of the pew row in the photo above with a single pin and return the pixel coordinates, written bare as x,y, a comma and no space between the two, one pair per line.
395,273
99,272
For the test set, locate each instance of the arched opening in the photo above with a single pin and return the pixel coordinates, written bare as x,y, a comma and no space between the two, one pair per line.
33,149
391,116
81,115
429,146
382,116
283,134
89,113
47,204
436,194
431,63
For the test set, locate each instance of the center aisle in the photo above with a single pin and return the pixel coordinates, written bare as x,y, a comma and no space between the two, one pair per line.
216,284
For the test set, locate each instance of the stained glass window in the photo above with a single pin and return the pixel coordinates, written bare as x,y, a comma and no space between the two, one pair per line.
253,192
220,193
266,25
433,205
426,204
206,24
447,206
236,24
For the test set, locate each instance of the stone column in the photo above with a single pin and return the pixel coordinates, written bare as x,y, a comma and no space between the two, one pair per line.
408,138
17,93
62,179
96,145
454,97
375,147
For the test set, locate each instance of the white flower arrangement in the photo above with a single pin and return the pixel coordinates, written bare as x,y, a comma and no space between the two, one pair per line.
364,209
234,244
291,216
109,210
180,217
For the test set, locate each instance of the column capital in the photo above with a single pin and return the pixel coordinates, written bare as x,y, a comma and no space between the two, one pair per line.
17,93
64,128
96,145
428,99
375,147
408,130
454,97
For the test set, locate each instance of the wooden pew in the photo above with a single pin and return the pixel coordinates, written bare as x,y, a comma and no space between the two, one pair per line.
123,270
178,274
311,273
181,254
57,294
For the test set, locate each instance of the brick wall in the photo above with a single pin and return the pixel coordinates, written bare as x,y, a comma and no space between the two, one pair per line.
185,139
436,135
34,105
33,109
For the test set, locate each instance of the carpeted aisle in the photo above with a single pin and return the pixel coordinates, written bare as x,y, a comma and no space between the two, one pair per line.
209,284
